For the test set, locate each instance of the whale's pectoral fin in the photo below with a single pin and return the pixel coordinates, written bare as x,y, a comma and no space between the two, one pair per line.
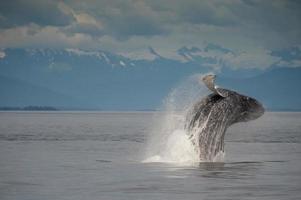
224,92
209,82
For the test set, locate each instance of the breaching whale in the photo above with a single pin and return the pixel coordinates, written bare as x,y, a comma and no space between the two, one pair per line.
209,118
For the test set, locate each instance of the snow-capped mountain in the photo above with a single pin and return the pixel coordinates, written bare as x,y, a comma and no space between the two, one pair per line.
103,80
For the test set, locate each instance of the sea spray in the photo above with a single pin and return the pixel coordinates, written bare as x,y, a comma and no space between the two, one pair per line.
169,141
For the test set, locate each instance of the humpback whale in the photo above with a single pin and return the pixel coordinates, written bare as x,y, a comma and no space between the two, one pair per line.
208,120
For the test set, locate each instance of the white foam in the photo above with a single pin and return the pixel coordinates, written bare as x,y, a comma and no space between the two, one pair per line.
219,157
169,142
178,149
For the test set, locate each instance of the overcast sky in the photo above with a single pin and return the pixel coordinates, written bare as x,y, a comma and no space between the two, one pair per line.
253,28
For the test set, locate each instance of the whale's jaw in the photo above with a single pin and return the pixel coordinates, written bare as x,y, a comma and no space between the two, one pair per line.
251,109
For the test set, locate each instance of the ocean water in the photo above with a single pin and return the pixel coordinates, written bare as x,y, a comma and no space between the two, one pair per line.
99,155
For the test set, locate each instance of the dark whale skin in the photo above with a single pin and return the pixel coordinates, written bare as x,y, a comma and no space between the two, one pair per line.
211,116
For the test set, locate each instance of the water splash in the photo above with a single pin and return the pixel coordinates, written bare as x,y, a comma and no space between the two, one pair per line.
169,141
178,149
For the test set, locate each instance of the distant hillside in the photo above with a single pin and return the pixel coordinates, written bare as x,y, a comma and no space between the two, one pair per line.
101,80
29,108
17,93
97,79
278,89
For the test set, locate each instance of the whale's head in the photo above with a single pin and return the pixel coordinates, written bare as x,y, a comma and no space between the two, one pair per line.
250,109
246,108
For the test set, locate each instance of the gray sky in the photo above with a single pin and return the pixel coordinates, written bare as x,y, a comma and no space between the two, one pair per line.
252,29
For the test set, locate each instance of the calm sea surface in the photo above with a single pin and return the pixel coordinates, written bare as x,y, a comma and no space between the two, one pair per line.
97,155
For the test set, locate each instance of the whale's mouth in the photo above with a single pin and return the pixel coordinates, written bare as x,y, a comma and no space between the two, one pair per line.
258,112
253,109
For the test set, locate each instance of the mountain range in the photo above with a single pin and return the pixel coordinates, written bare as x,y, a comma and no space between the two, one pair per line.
81,79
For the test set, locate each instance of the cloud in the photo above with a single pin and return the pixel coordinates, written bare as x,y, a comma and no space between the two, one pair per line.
291,63
86,24
136,18
214,13
41,12
290,57
2,54
292,53
261,59
33,36
216,57
251,27
121,19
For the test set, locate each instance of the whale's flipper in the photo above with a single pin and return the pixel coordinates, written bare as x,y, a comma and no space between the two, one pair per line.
209,81
224,92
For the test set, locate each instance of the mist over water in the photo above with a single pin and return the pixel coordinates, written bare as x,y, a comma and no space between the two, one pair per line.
169,141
